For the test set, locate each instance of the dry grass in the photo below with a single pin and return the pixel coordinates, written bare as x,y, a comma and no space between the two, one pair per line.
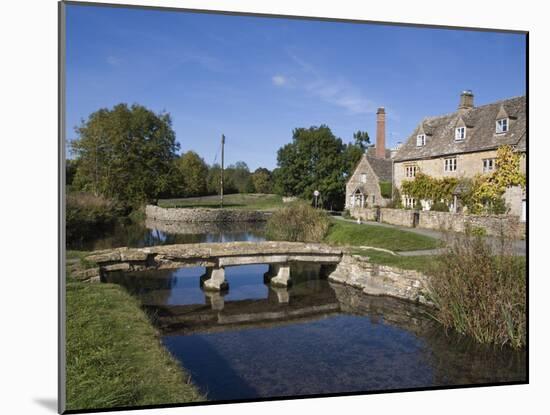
481,293
298,222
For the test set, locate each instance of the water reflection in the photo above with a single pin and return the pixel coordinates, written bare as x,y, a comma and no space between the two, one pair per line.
315,337
150,233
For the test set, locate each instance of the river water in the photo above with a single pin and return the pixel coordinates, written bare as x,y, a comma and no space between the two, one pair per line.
316,337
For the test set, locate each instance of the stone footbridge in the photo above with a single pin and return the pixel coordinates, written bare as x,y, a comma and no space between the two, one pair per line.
215,257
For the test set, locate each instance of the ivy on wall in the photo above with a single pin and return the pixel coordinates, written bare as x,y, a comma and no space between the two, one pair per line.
481,194
425,187
385,189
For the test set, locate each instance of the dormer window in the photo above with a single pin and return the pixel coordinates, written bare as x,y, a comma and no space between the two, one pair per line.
363,177
502,125
460,133
420,140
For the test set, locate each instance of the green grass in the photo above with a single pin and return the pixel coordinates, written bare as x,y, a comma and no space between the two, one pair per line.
249,201
347,233
114,355
421,263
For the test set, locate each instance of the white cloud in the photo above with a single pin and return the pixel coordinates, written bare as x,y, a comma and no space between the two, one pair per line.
337,92
279,80
113,61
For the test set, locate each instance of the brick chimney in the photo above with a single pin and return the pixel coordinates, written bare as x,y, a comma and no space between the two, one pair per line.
466,100
381,133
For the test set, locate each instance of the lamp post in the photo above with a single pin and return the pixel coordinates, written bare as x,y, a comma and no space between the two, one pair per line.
316,193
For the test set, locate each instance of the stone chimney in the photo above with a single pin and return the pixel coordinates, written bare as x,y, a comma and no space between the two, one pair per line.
381,133
466,100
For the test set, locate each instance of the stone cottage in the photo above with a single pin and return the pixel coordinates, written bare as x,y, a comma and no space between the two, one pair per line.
464,144
373,172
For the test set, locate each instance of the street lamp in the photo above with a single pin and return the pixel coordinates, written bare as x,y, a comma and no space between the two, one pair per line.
316,193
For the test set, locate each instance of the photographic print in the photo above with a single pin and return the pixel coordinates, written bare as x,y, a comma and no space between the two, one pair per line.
276,207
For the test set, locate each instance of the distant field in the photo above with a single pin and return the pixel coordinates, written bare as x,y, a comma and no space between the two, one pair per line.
251,201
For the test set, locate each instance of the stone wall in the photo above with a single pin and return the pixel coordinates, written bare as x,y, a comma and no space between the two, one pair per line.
400,217
356,271
363,213
493,225
204,215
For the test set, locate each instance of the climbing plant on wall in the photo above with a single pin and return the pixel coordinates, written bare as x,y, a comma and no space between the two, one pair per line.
487,190
425,187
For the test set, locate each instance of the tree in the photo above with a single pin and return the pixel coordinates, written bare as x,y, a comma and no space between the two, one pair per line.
213,181
239,175
125,153
193,172
314,160
261,179
362,139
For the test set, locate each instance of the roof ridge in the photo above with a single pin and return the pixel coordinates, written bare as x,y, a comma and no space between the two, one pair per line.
449,114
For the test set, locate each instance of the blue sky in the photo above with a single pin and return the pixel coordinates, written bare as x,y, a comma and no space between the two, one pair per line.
256,79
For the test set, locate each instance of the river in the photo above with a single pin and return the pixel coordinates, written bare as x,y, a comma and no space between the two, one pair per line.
314,338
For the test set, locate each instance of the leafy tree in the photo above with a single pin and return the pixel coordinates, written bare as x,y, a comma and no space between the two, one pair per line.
314,160
71,166
361,139
213,181
239,175
261,179
125,153
193,172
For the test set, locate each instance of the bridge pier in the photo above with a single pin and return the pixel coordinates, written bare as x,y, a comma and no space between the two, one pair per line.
215,298
278,275
214,279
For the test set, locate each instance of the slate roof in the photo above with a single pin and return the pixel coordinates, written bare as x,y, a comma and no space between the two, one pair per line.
382,168
480,132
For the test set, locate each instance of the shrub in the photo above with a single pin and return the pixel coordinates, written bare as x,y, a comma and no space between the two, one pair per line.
346,214
298,222
88,216
385,189
439,207
479,293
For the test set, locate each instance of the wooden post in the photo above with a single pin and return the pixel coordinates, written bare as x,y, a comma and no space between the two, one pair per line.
221,176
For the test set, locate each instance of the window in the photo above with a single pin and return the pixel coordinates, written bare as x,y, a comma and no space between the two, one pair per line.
410,171
363,177
409,202
373,199
460,133
488,165
420,140
450,164
502,125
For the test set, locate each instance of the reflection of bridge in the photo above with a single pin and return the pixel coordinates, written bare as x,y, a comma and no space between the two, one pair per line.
303,302
215,257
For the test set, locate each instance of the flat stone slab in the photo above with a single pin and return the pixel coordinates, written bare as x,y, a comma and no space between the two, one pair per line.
221,254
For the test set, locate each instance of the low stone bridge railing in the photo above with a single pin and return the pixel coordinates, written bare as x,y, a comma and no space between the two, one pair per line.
215,257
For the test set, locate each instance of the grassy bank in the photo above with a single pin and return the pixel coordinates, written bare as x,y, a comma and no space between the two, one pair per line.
422,263
114,355
353,234
250,201
298,222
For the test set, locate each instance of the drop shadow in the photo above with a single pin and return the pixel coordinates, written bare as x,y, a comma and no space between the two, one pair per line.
48,403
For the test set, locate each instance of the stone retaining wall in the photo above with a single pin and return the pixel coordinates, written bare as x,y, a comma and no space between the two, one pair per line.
492,225
356,271
204,215
400,217
363,213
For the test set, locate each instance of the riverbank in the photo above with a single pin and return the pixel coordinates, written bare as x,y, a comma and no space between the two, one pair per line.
240,201
114,355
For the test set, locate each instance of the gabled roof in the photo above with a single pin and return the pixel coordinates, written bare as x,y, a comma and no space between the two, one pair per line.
480,133
382,168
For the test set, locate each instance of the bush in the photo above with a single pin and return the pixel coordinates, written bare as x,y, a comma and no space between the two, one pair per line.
298,222
385,189
88,216
439,207
479,293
